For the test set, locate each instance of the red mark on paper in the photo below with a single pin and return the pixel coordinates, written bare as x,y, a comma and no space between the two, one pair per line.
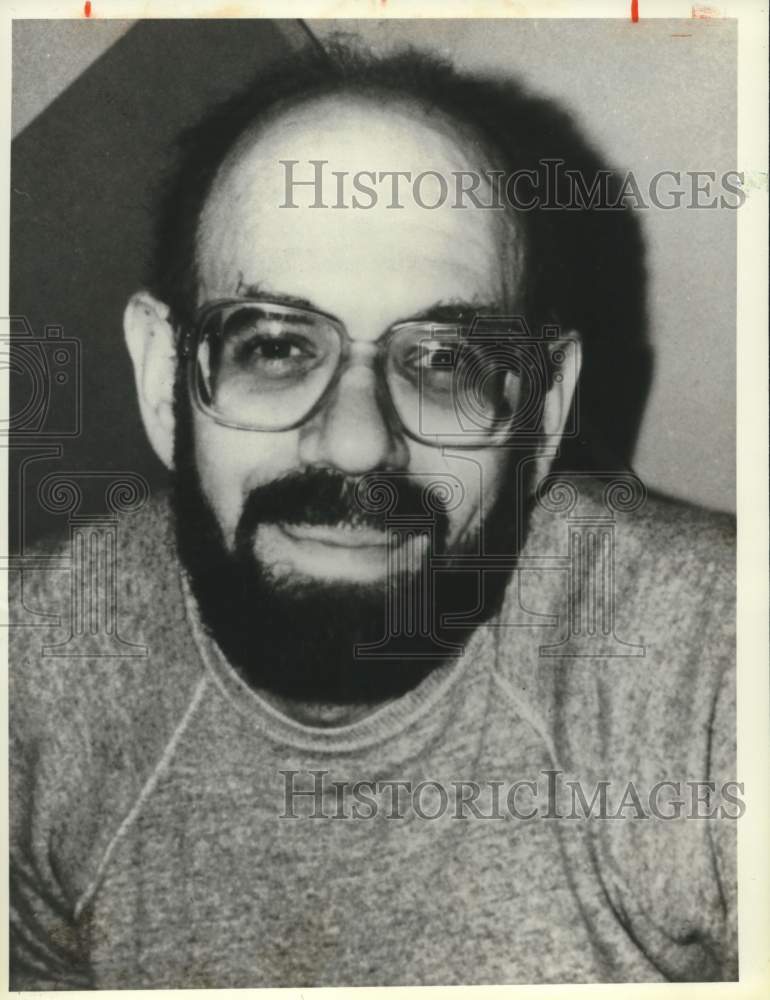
87,8
704,12
634,10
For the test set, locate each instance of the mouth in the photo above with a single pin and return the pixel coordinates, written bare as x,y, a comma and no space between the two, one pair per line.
340,536
341,551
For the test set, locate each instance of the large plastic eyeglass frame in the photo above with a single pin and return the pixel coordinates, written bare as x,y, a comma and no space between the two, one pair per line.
192,336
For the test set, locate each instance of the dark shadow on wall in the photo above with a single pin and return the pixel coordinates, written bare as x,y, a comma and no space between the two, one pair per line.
84,178
86,175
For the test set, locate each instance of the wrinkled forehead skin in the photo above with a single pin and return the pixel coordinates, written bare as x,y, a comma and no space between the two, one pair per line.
247,235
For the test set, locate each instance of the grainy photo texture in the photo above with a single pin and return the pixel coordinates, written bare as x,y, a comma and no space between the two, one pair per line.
371,540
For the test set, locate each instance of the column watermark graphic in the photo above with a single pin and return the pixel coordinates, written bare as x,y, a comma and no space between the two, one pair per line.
94,559
46,410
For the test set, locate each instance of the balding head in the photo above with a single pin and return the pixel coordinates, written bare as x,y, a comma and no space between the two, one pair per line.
289,211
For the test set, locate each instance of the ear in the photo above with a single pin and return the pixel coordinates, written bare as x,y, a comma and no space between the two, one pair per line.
566,355
150,342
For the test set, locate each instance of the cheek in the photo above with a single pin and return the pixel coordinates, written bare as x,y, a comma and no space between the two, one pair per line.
479,474
231,463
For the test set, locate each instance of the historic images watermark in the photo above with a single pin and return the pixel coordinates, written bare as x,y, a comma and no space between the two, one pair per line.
316,794
552,186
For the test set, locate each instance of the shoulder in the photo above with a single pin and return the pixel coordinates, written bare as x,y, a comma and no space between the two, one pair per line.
664,553
644,629
75,586
141,541
98,631
677,562
633,682
669,530
102,667
674,534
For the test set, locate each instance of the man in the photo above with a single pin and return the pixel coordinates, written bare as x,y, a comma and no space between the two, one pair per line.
366,583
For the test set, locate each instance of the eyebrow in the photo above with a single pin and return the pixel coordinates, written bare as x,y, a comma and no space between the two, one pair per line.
279,298
458,311
442,311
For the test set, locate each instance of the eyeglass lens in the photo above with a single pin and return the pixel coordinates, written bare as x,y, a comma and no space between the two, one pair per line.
267,367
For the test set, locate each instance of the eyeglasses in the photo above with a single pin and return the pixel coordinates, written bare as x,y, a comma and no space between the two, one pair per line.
264,366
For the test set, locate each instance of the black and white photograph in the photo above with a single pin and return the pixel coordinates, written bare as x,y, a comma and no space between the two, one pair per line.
374,470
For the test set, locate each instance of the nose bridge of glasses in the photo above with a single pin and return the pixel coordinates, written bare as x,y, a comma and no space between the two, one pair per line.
359,374
357,429
362,352
360,387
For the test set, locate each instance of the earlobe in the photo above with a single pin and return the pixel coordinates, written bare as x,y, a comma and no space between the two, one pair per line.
151,345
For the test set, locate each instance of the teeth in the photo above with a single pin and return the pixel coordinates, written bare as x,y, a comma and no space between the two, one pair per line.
339,526
342,528
360,533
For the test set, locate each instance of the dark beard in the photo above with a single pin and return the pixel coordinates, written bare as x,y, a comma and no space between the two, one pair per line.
333,643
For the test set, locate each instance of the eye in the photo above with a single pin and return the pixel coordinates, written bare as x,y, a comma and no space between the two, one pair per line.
274,356
258,343
439,356
266,349
432,356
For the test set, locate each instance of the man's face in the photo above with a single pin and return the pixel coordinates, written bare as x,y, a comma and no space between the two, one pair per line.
369,268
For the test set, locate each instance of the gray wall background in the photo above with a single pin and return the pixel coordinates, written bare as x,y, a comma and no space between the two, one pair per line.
95,105
656,95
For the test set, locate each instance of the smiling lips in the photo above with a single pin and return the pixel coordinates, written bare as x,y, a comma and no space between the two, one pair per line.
337,535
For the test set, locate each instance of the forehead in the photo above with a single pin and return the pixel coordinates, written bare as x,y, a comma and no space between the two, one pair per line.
249,234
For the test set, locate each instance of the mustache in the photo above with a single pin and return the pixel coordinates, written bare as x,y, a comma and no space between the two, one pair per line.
323,497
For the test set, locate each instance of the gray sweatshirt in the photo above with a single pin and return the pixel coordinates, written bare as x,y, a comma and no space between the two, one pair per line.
161,837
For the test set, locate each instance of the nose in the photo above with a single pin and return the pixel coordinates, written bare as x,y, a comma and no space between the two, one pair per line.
354,432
